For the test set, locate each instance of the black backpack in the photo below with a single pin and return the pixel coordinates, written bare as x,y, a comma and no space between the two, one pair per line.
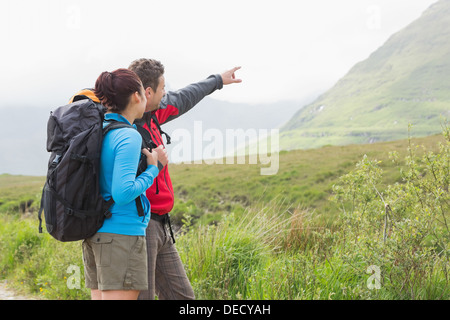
73,206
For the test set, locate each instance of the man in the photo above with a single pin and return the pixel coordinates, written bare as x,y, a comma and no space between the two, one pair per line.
167,277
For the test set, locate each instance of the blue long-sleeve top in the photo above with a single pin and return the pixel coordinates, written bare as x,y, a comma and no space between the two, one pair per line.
121,151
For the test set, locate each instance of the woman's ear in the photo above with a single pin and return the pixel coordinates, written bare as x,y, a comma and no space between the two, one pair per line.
137,97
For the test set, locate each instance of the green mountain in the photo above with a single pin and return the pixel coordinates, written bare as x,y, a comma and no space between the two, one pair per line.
406,81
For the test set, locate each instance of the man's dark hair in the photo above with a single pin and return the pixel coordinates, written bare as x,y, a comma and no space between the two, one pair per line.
149,71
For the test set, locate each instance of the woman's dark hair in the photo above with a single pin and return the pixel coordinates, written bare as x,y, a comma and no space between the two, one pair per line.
114,89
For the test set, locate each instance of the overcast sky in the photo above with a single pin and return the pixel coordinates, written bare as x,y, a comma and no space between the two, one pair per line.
288,49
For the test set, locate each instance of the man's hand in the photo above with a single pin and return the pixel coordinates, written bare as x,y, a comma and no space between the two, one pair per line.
162,155
229,77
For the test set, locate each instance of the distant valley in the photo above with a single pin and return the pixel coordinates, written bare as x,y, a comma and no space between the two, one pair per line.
23,132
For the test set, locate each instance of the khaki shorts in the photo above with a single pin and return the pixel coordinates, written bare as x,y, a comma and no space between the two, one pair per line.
115,262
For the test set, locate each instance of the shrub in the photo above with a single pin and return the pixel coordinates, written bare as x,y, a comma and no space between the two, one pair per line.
401,228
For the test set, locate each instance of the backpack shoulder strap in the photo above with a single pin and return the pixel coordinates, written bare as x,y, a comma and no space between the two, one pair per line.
155,120
113,124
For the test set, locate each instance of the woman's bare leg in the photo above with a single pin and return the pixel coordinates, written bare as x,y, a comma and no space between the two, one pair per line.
120,294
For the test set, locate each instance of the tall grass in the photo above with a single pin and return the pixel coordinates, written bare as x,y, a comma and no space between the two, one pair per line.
222,258
268,254
36,263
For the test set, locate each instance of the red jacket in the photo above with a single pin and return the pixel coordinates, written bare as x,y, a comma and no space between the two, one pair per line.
173,105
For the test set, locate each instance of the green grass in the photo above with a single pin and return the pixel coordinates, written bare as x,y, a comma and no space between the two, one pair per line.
36,264
305,179
247,236
20,193
206,192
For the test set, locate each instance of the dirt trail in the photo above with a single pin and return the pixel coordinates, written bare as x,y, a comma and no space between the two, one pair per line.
7,293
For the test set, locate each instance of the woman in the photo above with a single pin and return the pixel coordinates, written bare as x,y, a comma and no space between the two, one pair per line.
115,258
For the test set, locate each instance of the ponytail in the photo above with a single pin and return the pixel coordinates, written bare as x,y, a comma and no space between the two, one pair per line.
114,89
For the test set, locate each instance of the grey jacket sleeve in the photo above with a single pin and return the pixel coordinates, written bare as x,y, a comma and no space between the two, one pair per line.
185,99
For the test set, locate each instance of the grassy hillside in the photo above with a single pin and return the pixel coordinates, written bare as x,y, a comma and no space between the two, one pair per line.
407,80
305,179
20,193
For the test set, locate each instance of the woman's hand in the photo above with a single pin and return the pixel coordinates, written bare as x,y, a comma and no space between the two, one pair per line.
152,157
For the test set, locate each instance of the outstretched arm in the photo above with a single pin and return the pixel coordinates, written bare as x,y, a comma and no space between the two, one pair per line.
176,103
